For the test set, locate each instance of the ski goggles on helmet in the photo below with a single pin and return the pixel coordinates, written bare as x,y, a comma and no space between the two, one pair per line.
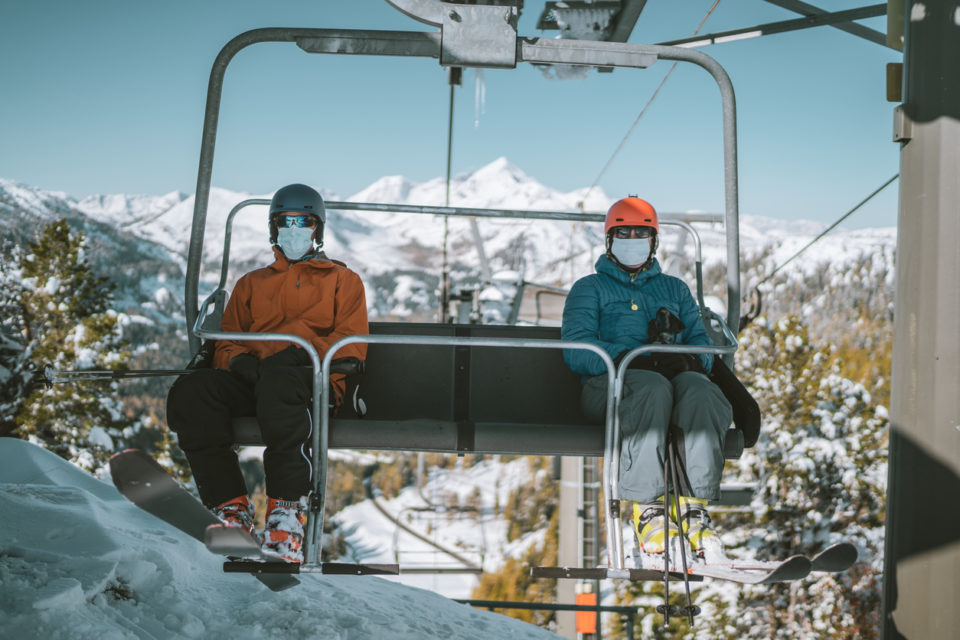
624,232
286,221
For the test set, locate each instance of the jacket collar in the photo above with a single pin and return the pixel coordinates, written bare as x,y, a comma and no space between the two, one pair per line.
319,260
608,267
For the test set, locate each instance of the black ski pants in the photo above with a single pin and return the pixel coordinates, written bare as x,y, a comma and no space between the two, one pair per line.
200,407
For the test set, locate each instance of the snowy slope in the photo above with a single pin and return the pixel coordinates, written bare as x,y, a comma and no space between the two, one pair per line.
78,561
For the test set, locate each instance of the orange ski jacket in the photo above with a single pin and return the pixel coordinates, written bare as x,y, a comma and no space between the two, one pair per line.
319,299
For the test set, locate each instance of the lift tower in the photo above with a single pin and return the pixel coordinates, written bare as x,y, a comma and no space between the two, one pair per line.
922,564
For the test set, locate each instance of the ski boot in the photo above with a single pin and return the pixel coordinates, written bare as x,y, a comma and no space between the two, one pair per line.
651,529
236,513
695,522
283,530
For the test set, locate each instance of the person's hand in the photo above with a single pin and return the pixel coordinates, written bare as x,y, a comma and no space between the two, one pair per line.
247,367
292,356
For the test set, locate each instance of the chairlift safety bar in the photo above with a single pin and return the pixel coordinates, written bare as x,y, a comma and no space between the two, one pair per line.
670,219
321,399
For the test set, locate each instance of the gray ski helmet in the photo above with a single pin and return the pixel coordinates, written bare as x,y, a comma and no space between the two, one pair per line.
297,198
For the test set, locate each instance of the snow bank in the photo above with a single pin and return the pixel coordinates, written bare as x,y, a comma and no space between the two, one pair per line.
79,561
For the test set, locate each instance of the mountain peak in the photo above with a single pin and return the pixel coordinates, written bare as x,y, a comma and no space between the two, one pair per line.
499,169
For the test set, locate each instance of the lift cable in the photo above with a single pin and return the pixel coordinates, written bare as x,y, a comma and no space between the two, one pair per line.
756,304
642,111
830,228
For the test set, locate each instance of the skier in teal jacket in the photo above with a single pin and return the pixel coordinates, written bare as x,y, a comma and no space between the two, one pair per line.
627,303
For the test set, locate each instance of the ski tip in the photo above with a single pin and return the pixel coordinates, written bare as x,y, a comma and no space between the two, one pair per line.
126,452
836,558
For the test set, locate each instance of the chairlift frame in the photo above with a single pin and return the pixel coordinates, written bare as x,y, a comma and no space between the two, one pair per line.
477,36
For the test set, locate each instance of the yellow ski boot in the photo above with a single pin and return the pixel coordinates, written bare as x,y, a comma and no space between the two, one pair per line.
695,522
651,529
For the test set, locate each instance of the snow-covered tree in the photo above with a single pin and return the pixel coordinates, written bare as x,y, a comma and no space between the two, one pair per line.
820,466
16,374
820,471
62,319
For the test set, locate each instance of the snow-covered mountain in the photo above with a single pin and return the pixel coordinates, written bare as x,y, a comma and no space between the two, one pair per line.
400,256
78,561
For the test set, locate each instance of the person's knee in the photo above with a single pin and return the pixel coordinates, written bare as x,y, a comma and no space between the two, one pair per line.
692,386
184,395
698,400
284,385
647,388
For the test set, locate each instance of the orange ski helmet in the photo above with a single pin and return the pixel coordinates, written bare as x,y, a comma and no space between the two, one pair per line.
631,212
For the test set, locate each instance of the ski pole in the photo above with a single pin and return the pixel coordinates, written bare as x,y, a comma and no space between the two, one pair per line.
51,376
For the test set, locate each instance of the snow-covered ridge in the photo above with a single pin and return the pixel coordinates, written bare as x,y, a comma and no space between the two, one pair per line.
410,247
79,561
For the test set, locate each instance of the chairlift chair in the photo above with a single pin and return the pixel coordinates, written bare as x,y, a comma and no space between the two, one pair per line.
482,35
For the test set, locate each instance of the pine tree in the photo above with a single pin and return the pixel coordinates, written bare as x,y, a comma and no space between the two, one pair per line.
64,321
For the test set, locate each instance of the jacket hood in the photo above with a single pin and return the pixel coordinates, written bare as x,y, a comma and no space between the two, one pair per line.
608,267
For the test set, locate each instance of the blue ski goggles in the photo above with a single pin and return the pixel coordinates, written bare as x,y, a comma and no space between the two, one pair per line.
286,221
624,232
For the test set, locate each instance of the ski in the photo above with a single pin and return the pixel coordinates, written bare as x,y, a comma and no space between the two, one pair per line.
835,558
145,483
604,573
793,568
233,542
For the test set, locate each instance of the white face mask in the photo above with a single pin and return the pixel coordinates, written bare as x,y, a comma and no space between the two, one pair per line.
631,252
295,242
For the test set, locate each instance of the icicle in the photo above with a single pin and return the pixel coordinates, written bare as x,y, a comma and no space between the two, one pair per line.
479,98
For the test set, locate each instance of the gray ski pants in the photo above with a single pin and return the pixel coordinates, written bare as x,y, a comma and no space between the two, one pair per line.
650,405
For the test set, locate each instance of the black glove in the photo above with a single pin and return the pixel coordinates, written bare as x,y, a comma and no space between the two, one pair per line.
247,367
292,356
671,364
666,364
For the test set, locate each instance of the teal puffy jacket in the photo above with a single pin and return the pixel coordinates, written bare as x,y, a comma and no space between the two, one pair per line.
613,309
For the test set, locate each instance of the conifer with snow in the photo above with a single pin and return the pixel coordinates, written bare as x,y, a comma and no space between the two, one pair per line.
62,317
820,468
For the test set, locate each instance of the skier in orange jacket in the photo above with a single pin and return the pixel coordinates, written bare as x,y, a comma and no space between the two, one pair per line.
304,293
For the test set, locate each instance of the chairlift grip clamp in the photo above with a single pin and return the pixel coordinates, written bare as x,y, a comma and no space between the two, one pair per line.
316,502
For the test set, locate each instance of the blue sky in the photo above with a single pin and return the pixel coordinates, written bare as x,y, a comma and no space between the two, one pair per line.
107,96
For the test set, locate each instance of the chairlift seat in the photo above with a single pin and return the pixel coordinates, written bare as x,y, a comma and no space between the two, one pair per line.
452,399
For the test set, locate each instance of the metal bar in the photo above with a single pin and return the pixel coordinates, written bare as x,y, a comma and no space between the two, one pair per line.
225,263
682,220
321,436
55,376
783,26
546,606
852,28
669,218
509,213
407,44
588,53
